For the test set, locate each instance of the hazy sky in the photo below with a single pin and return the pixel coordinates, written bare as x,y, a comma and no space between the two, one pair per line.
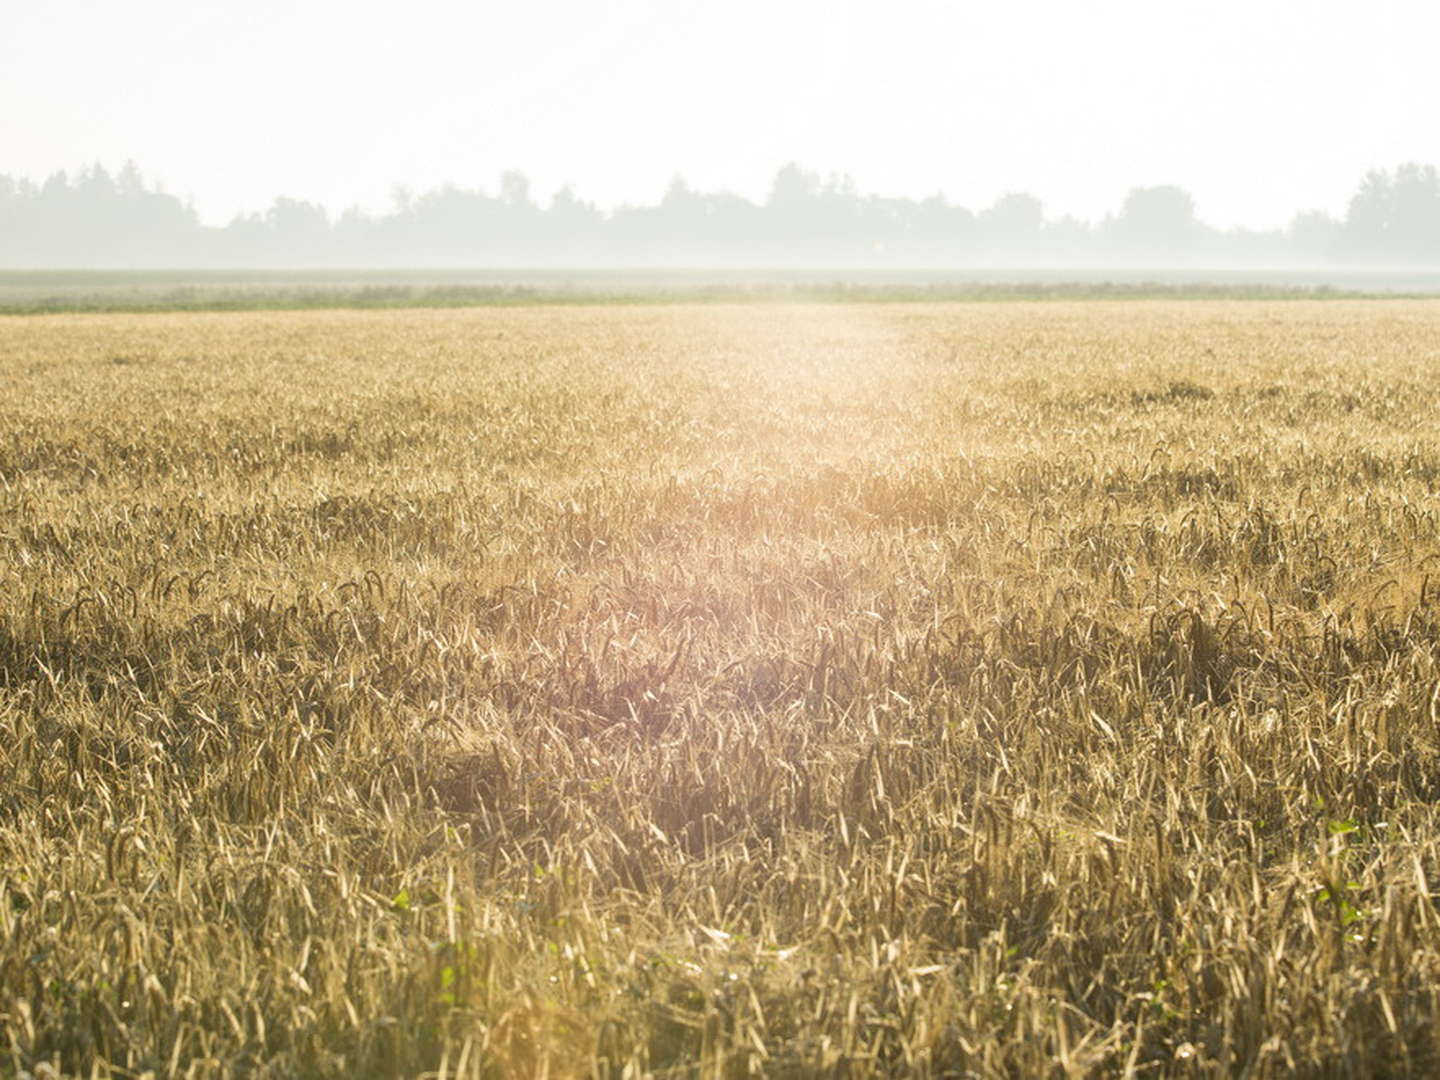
1258,107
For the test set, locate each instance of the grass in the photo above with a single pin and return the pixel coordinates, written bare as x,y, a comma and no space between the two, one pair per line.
718,690
58,292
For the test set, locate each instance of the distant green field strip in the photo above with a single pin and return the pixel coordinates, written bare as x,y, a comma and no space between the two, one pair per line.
119,300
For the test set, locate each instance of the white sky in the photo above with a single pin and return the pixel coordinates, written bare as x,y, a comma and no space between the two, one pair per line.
1258,107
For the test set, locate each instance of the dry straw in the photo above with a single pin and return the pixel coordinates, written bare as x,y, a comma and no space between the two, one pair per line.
1006,690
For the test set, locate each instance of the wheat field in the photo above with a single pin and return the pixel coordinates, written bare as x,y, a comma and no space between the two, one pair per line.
1028,689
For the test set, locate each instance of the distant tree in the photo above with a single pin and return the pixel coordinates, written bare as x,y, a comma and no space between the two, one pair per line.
1314,234
572,226
90,217
793,186
452,223
1370,215
1396,215
296,219
1415,212
565,207
814,218
515,188
937,230
130,183
289,231
355,238
1157,219
56,188
1069,237
94,184
1012,223
678,193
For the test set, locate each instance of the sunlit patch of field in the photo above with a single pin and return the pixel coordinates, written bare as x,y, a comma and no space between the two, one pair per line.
917,689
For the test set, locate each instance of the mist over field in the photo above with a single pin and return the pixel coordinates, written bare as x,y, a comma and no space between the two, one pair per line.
97,219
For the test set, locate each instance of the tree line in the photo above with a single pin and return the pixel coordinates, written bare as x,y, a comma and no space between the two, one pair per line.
96,218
